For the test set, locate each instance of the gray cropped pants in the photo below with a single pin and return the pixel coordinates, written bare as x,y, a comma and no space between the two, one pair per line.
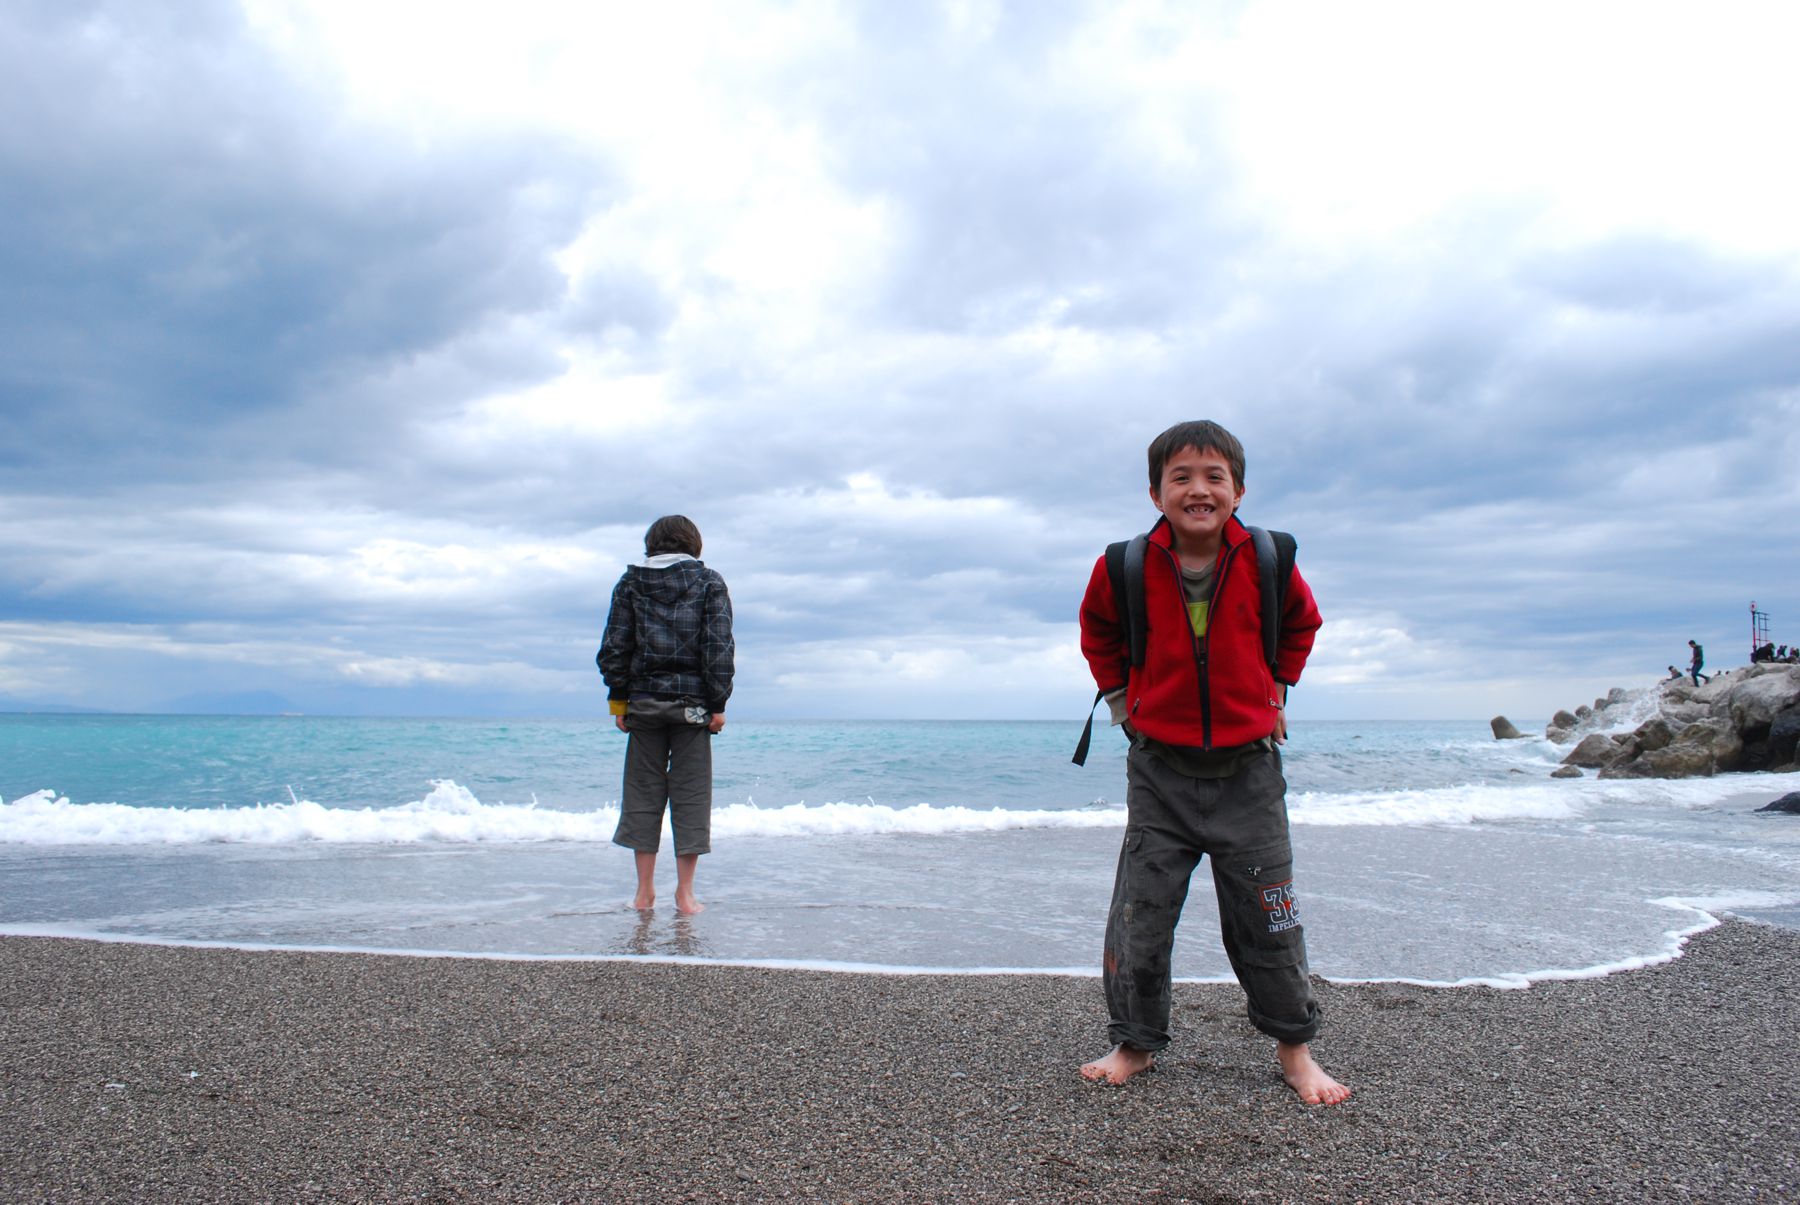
668,763
1172,822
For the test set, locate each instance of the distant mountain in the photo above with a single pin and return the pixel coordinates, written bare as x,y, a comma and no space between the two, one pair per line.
246,702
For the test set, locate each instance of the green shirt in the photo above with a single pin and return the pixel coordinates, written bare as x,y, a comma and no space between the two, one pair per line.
1197,586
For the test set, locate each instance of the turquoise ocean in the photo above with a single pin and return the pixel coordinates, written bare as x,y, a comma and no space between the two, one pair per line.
1424,851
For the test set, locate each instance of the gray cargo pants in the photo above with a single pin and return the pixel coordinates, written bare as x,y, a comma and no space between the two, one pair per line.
668,763
1172,821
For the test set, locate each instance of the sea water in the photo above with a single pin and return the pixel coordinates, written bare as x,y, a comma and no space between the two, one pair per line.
1424,851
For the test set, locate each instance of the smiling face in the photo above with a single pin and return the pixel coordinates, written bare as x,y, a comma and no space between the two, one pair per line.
1197,495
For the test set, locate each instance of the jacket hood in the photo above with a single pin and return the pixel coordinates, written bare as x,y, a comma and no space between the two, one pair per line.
670,581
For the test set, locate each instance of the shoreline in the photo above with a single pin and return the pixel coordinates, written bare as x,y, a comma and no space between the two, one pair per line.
176,1072
1675,942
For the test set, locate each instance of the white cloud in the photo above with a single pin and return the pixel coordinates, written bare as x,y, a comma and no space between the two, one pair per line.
38,657
1368,119
404,567
1034,672
1357,650
591,398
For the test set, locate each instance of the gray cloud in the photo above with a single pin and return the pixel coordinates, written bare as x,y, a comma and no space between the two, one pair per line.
202,245
1648,273
261,349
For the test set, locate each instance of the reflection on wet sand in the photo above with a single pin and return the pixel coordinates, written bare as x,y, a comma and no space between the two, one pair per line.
676,937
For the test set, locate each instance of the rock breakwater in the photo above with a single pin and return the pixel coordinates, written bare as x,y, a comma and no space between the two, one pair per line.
1743,719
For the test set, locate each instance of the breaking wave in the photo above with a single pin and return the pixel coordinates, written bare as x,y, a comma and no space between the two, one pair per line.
451,814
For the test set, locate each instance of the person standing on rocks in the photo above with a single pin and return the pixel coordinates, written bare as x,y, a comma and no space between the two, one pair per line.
1698,661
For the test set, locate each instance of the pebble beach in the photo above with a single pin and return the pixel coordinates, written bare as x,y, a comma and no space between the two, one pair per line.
170,1073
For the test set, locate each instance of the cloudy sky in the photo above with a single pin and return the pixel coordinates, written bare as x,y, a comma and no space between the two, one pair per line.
347,348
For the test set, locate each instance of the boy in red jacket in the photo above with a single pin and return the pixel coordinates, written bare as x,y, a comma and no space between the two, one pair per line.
1204,714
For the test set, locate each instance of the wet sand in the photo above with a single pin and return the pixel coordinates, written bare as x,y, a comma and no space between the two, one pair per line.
133,1072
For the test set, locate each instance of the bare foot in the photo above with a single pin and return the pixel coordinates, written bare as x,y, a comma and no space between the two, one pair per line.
646,880
685,903
1117,1065
1307,1078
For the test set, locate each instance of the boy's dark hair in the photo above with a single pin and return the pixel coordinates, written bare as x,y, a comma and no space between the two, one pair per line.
672,533
1203,435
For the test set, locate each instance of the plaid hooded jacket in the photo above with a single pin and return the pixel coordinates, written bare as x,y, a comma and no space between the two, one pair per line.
668,634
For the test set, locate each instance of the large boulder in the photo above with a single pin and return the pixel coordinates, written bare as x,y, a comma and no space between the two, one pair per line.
1567,772
1714,691
1653,734
1787,803
1753,705
1583,712
1503,729
1698,751
1616,695
1676,761
1784,736
1563,719
1727,744
1685,713
1724,743
1596,751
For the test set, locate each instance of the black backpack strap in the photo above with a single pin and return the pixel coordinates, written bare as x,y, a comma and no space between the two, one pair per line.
1125,570
1139,623
1115,573
1275,552
1087,733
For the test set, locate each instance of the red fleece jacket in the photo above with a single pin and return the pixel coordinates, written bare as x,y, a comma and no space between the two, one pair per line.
1210,692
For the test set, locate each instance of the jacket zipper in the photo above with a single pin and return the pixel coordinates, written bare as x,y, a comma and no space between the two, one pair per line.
1199,643
1202,642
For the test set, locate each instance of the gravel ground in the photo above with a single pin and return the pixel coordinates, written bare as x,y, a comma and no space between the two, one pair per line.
155,1073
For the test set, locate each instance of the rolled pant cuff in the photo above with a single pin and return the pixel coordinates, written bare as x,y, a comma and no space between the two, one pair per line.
1138,1037
680,852
1281,1031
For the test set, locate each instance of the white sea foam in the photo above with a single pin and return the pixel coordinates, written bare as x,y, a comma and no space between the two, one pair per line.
1638,706
1673,942
451,814
1490,802
1705,912
1438,805
802,820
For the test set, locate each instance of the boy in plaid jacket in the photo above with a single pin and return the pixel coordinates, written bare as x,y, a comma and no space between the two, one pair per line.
667,658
